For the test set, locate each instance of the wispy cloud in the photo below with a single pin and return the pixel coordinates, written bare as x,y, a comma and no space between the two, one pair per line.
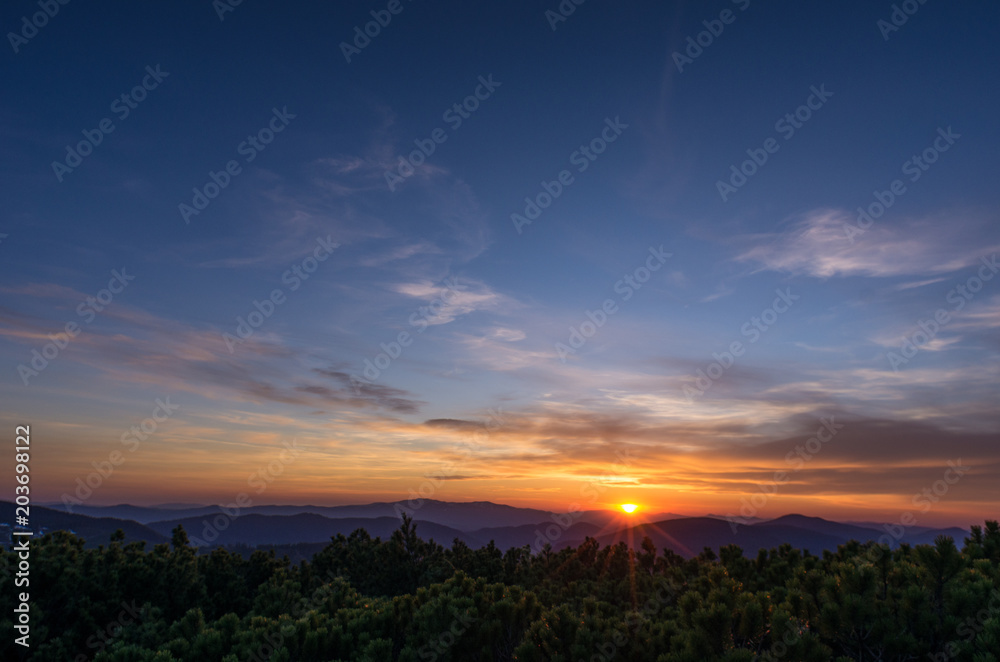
818,245
456,298
133,346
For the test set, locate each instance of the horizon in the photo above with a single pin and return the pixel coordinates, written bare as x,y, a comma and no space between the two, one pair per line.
730,259
640,513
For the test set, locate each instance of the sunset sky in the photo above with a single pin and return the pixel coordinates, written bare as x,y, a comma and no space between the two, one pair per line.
632,140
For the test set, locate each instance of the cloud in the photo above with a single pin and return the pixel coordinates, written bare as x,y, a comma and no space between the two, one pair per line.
915,284
507,335
453,424
457,297
893,340
400,253
983,317
380,395
819,245
864,456
133,346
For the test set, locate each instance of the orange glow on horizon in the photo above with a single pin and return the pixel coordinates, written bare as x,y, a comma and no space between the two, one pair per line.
629,507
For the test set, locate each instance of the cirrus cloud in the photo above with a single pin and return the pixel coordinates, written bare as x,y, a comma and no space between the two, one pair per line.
821,245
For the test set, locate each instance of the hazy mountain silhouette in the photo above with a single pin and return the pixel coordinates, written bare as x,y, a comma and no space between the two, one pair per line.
466,516
257,529
444,522
506,537
95,530
688,537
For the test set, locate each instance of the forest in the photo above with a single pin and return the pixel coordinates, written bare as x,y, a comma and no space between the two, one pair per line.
406,599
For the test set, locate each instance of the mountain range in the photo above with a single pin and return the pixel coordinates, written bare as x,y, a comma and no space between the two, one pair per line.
445,522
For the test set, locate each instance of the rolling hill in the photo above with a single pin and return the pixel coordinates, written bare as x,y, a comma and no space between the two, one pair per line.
445,522
94,530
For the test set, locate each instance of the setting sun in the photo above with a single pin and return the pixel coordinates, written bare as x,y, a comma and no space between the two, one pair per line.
629,507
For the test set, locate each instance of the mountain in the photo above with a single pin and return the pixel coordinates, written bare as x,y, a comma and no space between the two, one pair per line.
445,521
94,530
745,520
688,537
141,514
927,535
536,535
257,529
918,535
913,535
462,515
825,527
616,518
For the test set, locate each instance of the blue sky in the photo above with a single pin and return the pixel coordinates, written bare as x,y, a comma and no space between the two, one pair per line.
489,340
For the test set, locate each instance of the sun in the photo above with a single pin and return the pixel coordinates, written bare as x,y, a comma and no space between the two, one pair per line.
629,507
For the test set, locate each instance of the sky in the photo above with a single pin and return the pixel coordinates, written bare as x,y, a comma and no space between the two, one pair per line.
724,257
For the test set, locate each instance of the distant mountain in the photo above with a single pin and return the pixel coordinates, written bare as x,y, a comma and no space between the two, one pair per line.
914,535
465,516
506,537
745,520
442,521
927,536
94,530
918,535
619,519
303,528
141,514
826,527
688,537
